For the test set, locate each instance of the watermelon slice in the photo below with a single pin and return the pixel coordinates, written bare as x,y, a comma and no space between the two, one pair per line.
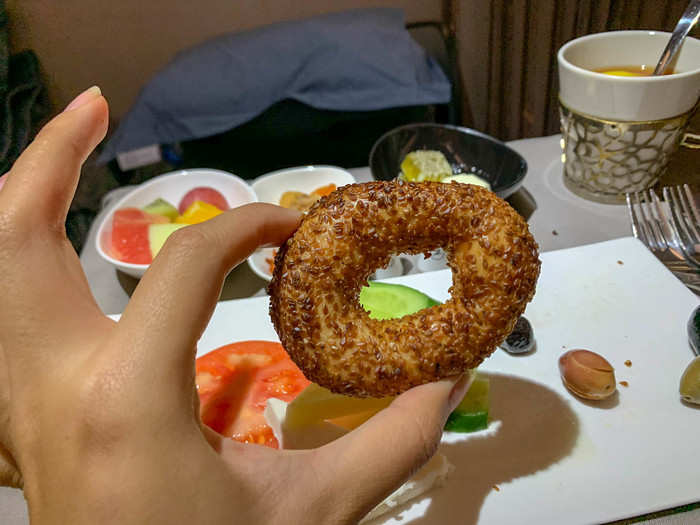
130,235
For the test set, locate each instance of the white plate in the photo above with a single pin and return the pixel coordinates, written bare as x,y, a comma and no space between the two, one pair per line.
171,187
557,459
270,187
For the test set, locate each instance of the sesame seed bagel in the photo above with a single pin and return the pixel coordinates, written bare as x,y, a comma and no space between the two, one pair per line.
346,236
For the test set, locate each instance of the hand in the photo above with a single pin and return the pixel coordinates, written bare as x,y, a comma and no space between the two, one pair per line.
101,418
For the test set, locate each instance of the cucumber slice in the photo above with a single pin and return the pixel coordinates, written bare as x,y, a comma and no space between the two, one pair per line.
473,412
389,301
464,423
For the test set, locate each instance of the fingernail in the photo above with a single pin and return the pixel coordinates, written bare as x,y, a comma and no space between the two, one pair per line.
459,389
2,180
86,96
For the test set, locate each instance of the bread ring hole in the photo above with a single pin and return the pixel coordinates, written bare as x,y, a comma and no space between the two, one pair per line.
397,266
393,301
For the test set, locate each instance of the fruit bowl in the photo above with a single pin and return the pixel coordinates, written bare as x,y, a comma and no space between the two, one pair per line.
171,187
271,186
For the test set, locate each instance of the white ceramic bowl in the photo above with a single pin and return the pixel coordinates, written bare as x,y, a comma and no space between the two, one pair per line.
171,187
271,186
259,264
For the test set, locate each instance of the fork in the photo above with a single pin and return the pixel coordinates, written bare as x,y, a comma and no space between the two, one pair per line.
658,230
684,220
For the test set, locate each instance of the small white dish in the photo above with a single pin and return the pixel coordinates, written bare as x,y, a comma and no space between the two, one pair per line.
258,262
270,187
171,187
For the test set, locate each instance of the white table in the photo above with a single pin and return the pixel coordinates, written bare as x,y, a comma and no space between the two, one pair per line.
560,220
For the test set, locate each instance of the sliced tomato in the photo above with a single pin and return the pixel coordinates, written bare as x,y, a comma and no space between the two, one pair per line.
234,383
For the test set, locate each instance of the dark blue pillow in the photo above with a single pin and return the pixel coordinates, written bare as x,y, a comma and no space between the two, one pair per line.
357,60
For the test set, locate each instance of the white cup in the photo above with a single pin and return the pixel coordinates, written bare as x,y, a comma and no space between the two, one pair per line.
618,133
627,98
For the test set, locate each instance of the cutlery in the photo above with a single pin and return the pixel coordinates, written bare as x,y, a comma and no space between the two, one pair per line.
657,225
684,220
688,19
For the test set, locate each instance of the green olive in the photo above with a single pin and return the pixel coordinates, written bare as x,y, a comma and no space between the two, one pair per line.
690,382
587,374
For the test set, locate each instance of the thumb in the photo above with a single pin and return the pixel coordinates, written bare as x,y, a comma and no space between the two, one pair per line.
376,458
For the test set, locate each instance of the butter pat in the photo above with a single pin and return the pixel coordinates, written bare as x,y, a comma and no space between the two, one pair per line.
468,179
316,403
298,437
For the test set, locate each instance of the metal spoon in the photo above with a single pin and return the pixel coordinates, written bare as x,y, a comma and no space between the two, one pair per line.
683,27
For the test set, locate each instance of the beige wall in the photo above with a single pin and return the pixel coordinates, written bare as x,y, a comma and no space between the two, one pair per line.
118,44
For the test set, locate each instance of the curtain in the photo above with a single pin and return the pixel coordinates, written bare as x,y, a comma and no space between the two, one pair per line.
507,54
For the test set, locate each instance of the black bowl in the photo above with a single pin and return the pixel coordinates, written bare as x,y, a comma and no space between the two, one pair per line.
467,150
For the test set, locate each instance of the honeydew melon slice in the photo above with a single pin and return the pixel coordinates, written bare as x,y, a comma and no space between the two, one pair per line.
159,233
